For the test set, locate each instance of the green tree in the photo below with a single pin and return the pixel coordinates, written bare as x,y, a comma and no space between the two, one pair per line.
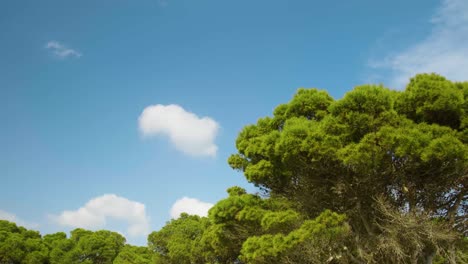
408,147
178,240
315,241
58,246
19,245
251,229
133,255
12,249
233,220
100,247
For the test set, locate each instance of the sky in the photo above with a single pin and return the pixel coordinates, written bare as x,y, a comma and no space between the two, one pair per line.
120,115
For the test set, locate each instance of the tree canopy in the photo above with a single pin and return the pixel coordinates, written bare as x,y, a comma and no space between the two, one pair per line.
372,149
377,176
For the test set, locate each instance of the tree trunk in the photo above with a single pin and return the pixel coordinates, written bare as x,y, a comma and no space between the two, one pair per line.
429,257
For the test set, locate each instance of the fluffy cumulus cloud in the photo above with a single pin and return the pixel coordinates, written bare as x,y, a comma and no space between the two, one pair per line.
95,212
13,218
443,51
189,133
190,206
62,51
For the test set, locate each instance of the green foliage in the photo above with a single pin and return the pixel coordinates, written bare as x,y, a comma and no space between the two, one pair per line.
19,245
280,221
406,146
378,176
179,240
232,221
95,247
433,99
133,255
246,227
323,234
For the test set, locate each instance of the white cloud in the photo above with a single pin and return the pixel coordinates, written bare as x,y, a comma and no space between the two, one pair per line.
95,212
190,206
188,132
62,51
13,218
443,51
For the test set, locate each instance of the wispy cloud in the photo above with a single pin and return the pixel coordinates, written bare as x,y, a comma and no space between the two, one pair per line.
13,218
62,51
189,133
443,51
94,214
190,206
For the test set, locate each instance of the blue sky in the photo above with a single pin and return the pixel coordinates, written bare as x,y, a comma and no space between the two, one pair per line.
77,148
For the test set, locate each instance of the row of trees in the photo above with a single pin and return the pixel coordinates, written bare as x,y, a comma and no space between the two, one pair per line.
19,245
378,176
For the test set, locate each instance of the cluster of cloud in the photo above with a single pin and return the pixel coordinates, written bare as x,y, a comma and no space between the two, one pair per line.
95,212
443,51
189,133
13,218
190,206
62,51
